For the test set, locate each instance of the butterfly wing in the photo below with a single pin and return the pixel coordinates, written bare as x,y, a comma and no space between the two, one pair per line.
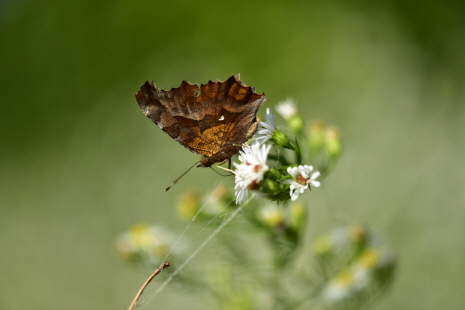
212,120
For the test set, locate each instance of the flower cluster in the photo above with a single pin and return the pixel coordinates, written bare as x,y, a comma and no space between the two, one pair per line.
286,178
145,245
349,268
356,264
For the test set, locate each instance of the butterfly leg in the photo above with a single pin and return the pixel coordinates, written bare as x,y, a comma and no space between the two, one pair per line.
224,168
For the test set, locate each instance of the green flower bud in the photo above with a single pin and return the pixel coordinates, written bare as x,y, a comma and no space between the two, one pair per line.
316,136
270,186
333,144
323,246
271,215
296,124
279,139
297,214
273,174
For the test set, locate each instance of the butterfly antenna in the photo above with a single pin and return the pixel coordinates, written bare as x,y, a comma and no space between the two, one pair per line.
176,181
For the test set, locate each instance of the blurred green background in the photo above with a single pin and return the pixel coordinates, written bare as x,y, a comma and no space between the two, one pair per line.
80,163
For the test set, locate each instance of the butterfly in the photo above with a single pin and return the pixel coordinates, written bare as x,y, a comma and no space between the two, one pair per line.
212,119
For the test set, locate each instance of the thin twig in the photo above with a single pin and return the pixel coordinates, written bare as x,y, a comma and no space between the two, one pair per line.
141,290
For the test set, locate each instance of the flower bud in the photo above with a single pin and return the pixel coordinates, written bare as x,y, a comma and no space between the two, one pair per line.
296,124
270,186
288,110
297,216
271,215
332,140
279,139
273,174
316,136
323,246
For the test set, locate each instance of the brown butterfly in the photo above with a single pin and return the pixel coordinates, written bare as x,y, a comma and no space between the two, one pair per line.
212,119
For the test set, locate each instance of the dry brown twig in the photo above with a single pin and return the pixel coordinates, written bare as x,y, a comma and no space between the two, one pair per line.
141,290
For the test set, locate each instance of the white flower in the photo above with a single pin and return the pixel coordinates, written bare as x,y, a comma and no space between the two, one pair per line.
251,169
253,163
340,288
362,277
301,179
265,129
146,244
287,108
241,192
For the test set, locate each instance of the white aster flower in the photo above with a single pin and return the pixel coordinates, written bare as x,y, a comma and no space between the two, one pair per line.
301,180
340,288
145,244
241,193
362,277
251,169
265,129
287,108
